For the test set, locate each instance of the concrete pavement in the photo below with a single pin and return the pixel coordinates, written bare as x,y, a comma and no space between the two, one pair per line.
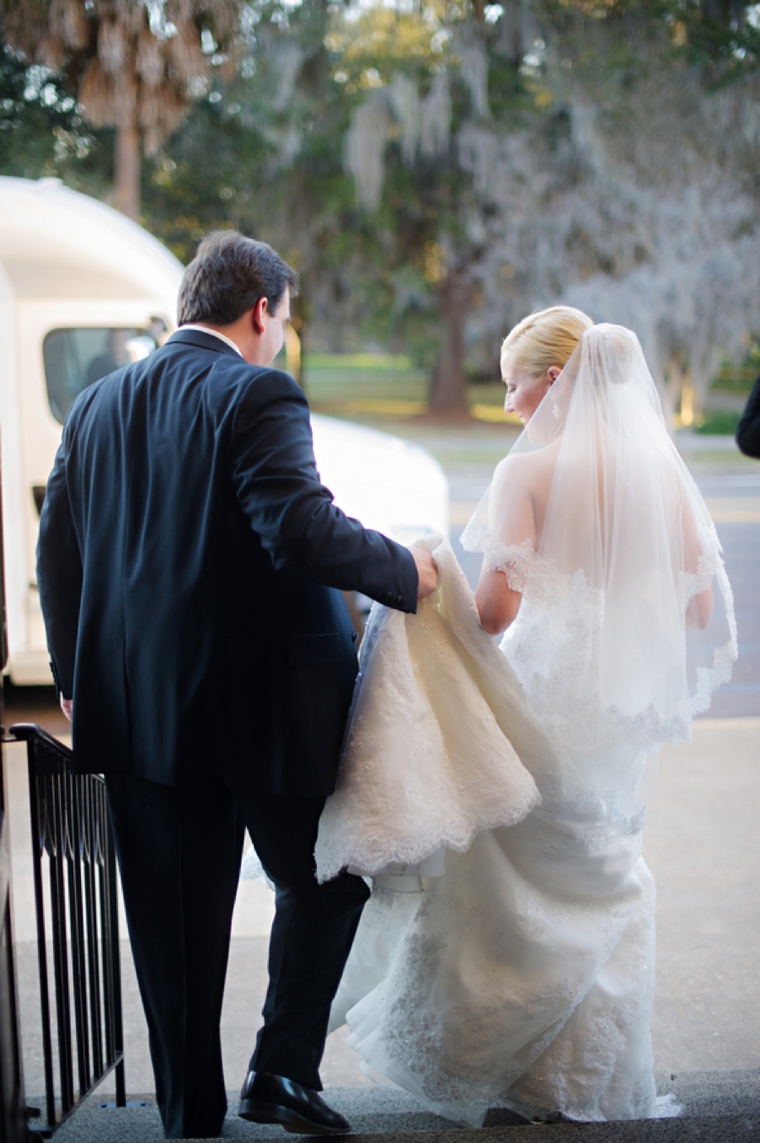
719,1108
702,842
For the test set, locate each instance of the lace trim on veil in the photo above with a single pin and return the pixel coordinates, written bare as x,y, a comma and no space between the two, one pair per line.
577,612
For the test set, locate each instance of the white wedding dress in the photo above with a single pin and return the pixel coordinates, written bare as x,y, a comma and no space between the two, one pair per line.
522,975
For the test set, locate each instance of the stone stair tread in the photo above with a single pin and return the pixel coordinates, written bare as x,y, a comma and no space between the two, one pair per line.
719,1107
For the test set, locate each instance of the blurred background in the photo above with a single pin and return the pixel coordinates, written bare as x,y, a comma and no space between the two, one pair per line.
434,170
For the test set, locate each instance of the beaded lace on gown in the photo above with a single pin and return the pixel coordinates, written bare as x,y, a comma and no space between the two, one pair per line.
523,974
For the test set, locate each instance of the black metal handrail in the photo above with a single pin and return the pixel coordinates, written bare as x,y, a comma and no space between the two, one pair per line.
71,830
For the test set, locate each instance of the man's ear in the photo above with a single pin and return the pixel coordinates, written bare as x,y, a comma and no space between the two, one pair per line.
257,315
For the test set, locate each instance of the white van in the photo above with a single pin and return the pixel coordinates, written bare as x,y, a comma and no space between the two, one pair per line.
84,290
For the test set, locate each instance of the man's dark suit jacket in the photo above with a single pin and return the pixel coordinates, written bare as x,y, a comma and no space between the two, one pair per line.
748,431
188,562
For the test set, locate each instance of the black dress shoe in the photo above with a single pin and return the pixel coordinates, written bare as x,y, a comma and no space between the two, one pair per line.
274,1099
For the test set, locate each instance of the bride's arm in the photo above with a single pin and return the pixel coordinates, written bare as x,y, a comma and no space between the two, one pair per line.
700,607
699,610
497,603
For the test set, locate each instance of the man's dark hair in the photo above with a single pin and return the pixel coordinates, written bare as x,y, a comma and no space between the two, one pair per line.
227,277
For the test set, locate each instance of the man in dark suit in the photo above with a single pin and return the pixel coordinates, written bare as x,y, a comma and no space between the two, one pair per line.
748,431
190,562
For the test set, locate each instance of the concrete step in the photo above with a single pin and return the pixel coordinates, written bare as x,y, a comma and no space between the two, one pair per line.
718,1107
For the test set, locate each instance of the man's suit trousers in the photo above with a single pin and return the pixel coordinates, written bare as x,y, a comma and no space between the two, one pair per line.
179,854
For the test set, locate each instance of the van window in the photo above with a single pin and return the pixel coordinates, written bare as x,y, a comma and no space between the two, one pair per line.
75,358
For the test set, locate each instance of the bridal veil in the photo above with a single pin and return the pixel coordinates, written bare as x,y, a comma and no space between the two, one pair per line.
626,624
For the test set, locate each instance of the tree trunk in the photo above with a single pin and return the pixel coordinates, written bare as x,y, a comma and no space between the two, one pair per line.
128,169
670,391
293,354
448,392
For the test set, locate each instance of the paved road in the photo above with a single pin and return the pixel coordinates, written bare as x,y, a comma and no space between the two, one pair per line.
734,502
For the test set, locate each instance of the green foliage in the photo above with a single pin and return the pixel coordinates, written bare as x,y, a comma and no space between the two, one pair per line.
740,385
723,422
225,168
41,133
723,39
752,360
720,37
740,379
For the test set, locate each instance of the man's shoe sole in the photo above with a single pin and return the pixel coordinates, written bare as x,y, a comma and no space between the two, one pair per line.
260,1111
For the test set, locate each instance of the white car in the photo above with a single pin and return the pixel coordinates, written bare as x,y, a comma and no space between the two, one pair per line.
84,290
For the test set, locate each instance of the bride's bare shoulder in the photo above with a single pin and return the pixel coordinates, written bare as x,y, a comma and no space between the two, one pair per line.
523,468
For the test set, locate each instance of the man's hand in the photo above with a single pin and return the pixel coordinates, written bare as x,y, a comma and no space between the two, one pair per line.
67,706
427,572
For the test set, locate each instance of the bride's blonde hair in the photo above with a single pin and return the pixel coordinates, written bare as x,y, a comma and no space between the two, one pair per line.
546,338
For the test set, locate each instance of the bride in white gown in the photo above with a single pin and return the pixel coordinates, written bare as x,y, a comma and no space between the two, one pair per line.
521,972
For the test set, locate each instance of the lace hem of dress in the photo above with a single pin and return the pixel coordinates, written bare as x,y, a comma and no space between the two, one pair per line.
340,846
428,758
447,1014
252,869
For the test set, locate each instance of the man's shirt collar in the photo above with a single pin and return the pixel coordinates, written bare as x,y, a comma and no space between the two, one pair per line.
213,333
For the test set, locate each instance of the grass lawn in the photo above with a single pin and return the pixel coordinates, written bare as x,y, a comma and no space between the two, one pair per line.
334,380
382,387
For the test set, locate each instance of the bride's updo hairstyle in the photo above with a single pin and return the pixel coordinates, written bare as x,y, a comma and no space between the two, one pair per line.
546,338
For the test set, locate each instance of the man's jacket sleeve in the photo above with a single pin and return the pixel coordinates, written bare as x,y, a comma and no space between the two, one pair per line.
748,432
292,512
59,575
